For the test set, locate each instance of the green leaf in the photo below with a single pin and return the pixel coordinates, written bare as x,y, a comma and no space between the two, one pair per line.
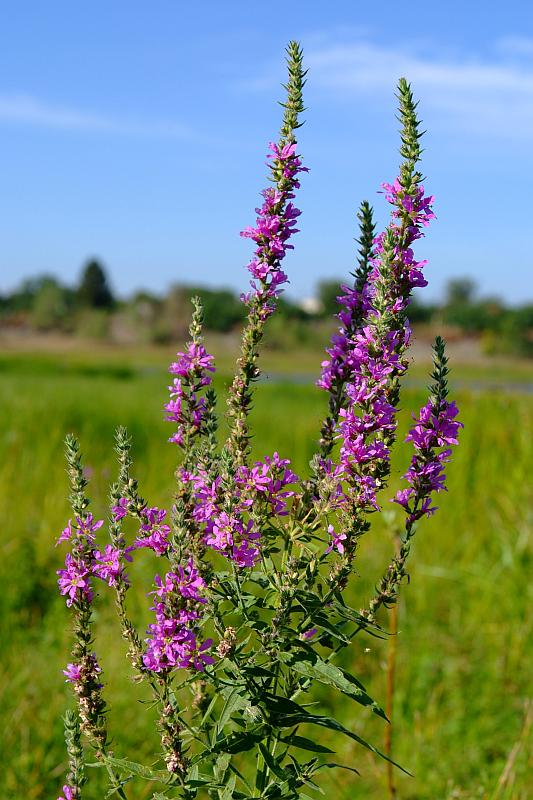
233,703
285,713
209,710
312,666
333,765
272,763
322,621
227,793
221,766
138,769
306,744
239,742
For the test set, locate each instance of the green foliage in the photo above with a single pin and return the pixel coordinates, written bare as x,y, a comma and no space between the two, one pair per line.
51,306
457,661
327,293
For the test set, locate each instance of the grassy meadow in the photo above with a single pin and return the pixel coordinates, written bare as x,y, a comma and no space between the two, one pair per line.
460,720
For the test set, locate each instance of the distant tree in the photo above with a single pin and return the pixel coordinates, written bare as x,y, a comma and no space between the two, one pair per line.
222,308
289,310
51,305
327,292
420,312
23,298
460,291
94,290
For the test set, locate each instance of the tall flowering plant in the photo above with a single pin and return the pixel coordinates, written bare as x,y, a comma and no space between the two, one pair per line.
249,604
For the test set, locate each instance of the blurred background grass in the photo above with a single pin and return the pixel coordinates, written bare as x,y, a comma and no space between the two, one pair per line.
463,674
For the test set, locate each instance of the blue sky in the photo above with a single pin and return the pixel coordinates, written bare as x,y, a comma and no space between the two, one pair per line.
136,132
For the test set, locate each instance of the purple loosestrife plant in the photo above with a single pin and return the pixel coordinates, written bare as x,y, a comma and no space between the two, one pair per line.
251,562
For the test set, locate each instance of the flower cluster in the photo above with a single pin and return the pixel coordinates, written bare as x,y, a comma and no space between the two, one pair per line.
412,211
435,427
229,523
154,532
185,407
78,674
265,484
85,561
172,641
275,224
368,358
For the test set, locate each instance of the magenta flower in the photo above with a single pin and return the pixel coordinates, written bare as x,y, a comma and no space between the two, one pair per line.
336,540
434,427
108,565
186,581
154,532
185,407
68,793
195,361
72,673
121,509
275,224
74,580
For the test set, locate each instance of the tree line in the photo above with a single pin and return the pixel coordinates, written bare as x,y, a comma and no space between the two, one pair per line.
90,308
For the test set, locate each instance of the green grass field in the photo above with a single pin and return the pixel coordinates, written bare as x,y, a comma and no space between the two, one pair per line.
465,620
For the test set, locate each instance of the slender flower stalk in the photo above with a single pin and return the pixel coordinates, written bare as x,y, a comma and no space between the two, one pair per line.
191,371
434,432
75,583
374,354
336,370
276,223
76,775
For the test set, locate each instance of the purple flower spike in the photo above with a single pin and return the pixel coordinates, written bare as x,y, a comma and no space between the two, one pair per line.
434,427
275,224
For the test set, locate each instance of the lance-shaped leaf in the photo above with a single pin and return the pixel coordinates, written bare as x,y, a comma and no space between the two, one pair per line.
310,664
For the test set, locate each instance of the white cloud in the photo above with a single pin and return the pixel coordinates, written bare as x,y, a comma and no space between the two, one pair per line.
516,45
488,97
31,111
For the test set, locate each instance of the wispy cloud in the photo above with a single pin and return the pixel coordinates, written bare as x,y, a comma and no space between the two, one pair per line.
29,110
487,96
516,46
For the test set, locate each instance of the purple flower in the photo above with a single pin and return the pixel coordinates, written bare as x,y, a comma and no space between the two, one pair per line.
195,361
153,532
336,540
172,645
367,352
230,535
86,671
84,529
72,673
68,793
267,481
121,509
185,407
186,581
108,565
275,224
74,580
434,427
